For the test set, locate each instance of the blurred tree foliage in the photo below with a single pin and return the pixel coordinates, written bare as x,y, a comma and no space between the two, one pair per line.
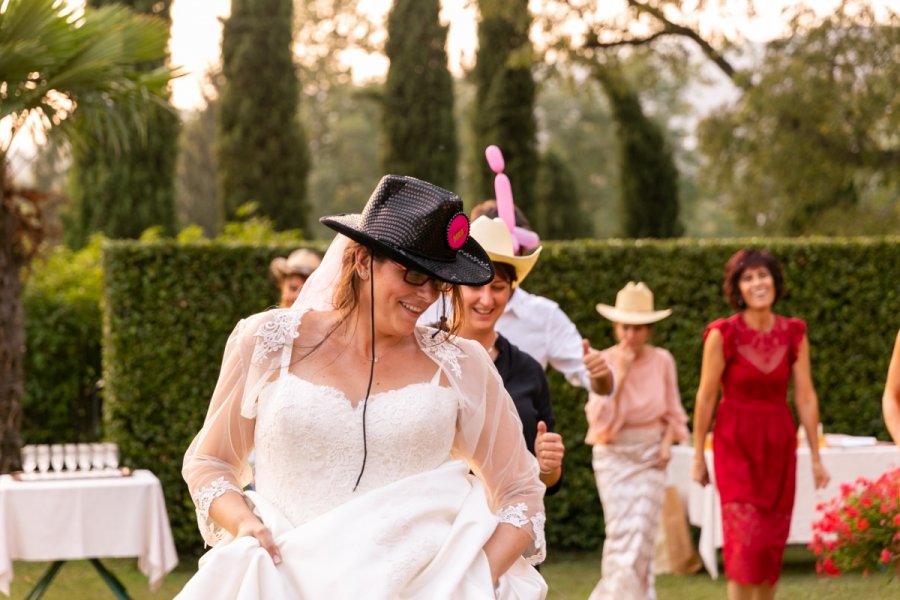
812,145
327,34
647,173
260,146
575,115
648,177
503,109
62,328
197,197
121,194
417,127
342,124
341,117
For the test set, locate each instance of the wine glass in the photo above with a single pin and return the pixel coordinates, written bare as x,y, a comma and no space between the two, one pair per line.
29,458
56,457
112,455
84,457
43,458
70,456
98,456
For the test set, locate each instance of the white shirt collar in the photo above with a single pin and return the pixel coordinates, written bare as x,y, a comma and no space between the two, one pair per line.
518,303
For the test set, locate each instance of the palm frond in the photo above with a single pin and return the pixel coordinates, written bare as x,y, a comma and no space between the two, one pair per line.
55,61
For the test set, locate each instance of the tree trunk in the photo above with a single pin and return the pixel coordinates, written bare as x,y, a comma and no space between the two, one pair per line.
12,330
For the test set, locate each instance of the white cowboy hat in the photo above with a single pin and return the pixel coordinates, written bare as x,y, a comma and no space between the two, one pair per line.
300,262
634,306
495,238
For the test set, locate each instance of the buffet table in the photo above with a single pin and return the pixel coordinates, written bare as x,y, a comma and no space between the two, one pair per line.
844,465
85,519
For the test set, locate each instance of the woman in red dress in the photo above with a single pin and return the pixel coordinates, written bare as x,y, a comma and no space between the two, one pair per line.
752,357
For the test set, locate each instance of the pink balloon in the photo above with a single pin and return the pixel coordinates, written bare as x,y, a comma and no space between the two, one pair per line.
505,210
503,192
494,158
526,238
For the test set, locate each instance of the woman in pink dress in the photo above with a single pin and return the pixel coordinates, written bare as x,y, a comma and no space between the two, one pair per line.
632,430
752,356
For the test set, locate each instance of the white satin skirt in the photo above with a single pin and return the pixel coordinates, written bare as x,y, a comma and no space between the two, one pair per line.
631,489
420,537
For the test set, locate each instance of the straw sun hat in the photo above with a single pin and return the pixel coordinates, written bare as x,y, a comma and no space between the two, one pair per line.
421,226
634,306
300,262
495,238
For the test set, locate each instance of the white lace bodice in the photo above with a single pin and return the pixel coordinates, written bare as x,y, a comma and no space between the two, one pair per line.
310,442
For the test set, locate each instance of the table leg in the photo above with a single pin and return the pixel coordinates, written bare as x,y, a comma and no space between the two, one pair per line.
114,584
41,586
707,544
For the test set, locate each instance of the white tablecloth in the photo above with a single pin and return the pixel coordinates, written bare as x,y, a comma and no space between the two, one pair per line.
86,518
844,465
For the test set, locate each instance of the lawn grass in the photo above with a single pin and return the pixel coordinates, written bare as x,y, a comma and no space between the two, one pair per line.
78,580
570,577
573,576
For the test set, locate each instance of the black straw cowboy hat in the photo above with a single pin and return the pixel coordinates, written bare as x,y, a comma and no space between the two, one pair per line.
421,226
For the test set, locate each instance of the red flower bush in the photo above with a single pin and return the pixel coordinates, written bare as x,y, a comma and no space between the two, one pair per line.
860,528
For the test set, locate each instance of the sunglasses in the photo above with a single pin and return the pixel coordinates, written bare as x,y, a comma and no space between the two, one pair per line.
419,279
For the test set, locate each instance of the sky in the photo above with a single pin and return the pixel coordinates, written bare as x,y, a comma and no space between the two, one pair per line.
197,32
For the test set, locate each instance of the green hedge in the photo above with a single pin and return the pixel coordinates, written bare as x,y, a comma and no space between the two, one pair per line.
847,290
62,332
170,308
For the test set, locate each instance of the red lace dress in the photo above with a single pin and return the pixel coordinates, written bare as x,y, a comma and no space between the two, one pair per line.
755,445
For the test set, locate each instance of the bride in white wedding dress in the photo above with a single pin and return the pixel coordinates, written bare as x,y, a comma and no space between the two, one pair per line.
390,461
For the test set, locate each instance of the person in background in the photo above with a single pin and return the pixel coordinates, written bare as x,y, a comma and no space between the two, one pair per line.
523,377
632,431
752,356
890,403
538,326
292,272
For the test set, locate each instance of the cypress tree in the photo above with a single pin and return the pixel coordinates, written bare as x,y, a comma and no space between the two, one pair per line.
123,193
419,134
647,171
504,99
260,146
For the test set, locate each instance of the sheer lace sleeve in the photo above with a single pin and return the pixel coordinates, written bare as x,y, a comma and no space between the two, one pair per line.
216,461
489,438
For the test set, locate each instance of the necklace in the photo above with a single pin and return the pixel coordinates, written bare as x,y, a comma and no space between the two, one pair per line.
376,358
493,347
